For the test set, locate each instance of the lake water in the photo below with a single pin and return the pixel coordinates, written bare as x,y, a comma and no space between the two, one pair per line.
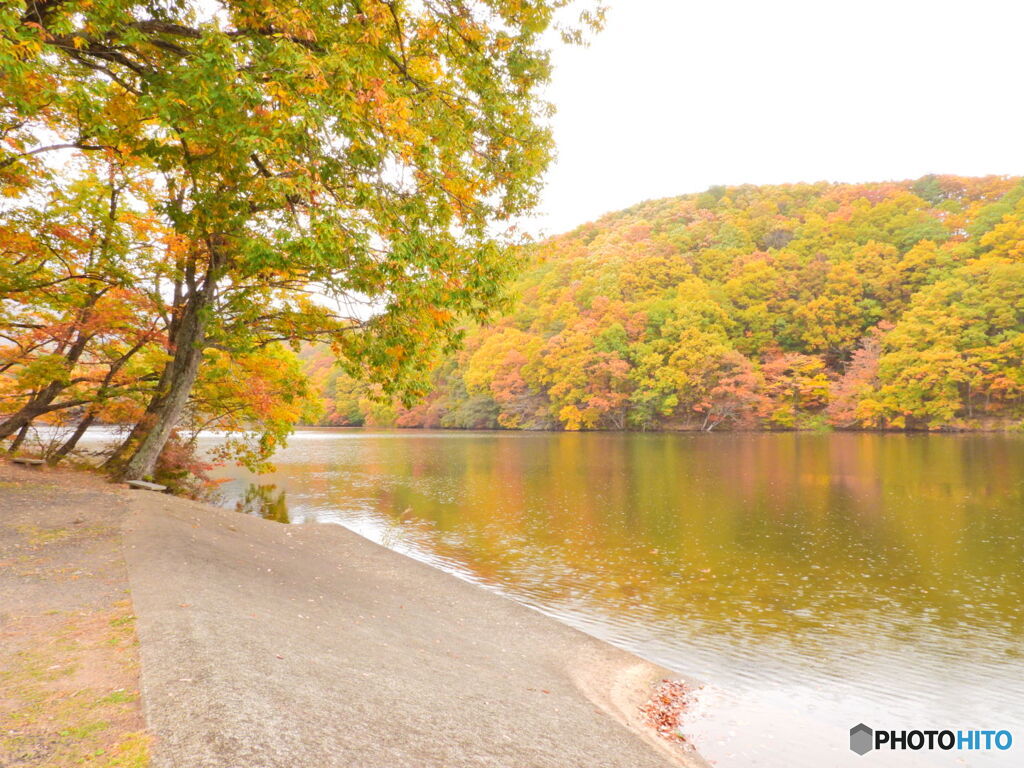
809,582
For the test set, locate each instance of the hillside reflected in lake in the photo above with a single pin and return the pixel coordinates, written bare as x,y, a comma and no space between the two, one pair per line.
841,578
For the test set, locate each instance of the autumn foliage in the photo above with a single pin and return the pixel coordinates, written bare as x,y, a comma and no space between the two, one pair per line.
885,306
191,189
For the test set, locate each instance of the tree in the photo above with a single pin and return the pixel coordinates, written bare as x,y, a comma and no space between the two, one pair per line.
361,150
797,386
678,361
74,317
736,397
954,355
253,399
851,404
496,369
587,381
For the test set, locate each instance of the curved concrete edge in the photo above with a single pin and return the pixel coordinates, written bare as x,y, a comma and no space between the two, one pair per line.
272,645
620,687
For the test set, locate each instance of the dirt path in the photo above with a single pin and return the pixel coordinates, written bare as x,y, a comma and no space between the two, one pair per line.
69,667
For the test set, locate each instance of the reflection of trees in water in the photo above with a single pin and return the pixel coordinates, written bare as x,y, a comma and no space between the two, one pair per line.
785,535
264,501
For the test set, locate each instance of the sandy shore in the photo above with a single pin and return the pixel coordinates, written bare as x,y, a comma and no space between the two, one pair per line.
272,645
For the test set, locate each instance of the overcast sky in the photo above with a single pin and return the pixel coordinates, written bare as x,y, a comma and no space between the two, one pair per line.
676,95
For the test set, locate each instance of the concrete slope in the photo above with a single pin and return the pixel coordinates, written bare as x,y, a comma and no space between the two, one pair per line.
265,645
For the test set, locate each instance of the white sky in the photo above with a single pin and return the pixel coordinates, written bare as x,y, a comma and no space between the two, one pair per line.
677,95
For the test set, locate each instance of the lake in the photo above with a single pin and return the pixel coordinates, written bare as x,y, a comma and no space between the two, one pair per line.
809,582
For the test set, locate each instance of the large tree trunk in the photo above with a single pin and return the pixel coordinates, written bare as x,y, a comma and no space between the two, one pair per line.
115,462
166,408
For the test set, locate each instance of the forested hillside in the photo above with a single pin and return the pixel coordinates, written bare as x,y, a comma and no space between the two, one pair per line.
878,306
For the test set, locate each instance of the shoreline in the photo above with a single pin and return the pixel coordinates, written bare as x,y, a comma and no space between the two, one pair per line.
1011,429
272,645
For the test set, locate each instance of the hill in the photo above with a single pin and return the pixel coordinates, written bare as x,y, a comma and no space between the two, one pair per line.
895,305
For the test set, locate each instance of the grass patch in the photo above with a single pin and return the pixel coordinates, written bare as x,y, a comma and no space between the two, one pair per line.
131,752
85,731
39,537
61,714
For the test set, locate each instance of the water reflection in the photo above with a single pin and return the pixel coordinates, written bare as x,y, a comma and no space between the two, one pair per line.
762,564
263,501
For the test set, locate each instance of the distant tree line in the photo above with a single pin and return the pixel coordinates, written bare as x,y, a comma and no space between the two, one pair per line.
853,306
